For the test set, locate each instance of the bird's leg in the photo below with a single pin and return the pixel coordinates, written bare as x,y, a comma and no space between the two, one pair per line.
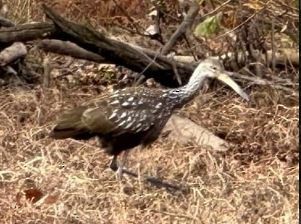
121,165
113,164
118,166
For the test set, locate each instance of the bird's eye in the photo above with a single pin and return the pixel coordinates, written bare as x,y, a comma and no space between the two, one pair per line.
214,68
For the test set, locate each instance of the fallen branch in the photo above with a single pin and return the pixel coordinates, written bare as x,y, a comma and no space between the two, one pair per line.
190,132
70,49
26,32
5,22
282,57
15,50
11,53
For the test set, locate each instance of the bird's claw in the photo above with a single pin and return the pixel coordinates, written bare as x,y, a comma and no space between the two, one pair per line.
119,172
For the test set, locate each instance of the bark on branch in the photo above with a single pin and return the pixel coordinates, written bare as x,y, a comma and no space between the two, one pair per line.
6,22
70,49
26,32
10,54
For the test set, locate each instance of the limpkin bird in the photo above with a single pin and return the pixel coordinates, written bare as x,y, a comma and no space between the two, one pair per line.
134,116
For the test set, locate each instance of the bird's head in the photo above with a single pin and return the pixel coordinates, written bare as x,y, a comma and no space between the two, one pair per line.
213,68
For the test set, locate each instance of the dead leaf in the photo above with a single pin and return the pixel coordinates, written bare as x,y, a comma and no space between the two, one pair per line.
32,194
29,191
254,5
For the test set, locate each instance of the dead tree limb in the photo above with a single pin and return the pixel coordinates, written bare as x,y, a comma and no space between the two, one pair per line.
191,132
5,22
14,49
26,32
283,56
11,53
70,49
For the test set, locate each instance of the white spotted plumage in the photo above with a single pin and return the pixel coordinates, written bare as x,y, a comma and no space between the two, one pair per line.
115,102
125,104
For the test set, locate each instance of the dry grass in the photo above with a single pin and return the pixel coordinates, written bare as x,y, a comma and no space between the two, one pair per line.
255,182
67,181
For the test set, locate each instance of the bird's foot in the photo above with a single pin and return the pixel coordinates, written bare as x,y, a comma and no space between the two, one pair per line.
119,172
117,168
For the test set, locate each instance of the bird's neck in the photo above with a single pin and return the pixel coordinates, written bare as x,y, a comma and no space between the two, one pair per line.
187,92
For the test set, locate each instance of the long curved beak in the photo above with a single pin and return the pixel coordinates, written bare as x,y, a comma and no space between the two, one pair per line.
224,77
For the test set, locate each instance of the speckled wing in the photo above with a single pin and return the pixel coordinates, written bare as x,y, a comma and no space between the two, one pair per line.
75,124
132,110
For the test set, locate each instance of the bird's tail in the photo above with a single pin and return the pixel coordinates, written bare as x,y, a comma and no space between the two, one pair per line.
59,133
70,126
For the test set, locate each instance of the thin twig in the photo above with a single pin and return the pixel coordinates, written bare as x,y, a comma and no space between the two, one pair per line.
273,46
216,9
174,68
259,81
